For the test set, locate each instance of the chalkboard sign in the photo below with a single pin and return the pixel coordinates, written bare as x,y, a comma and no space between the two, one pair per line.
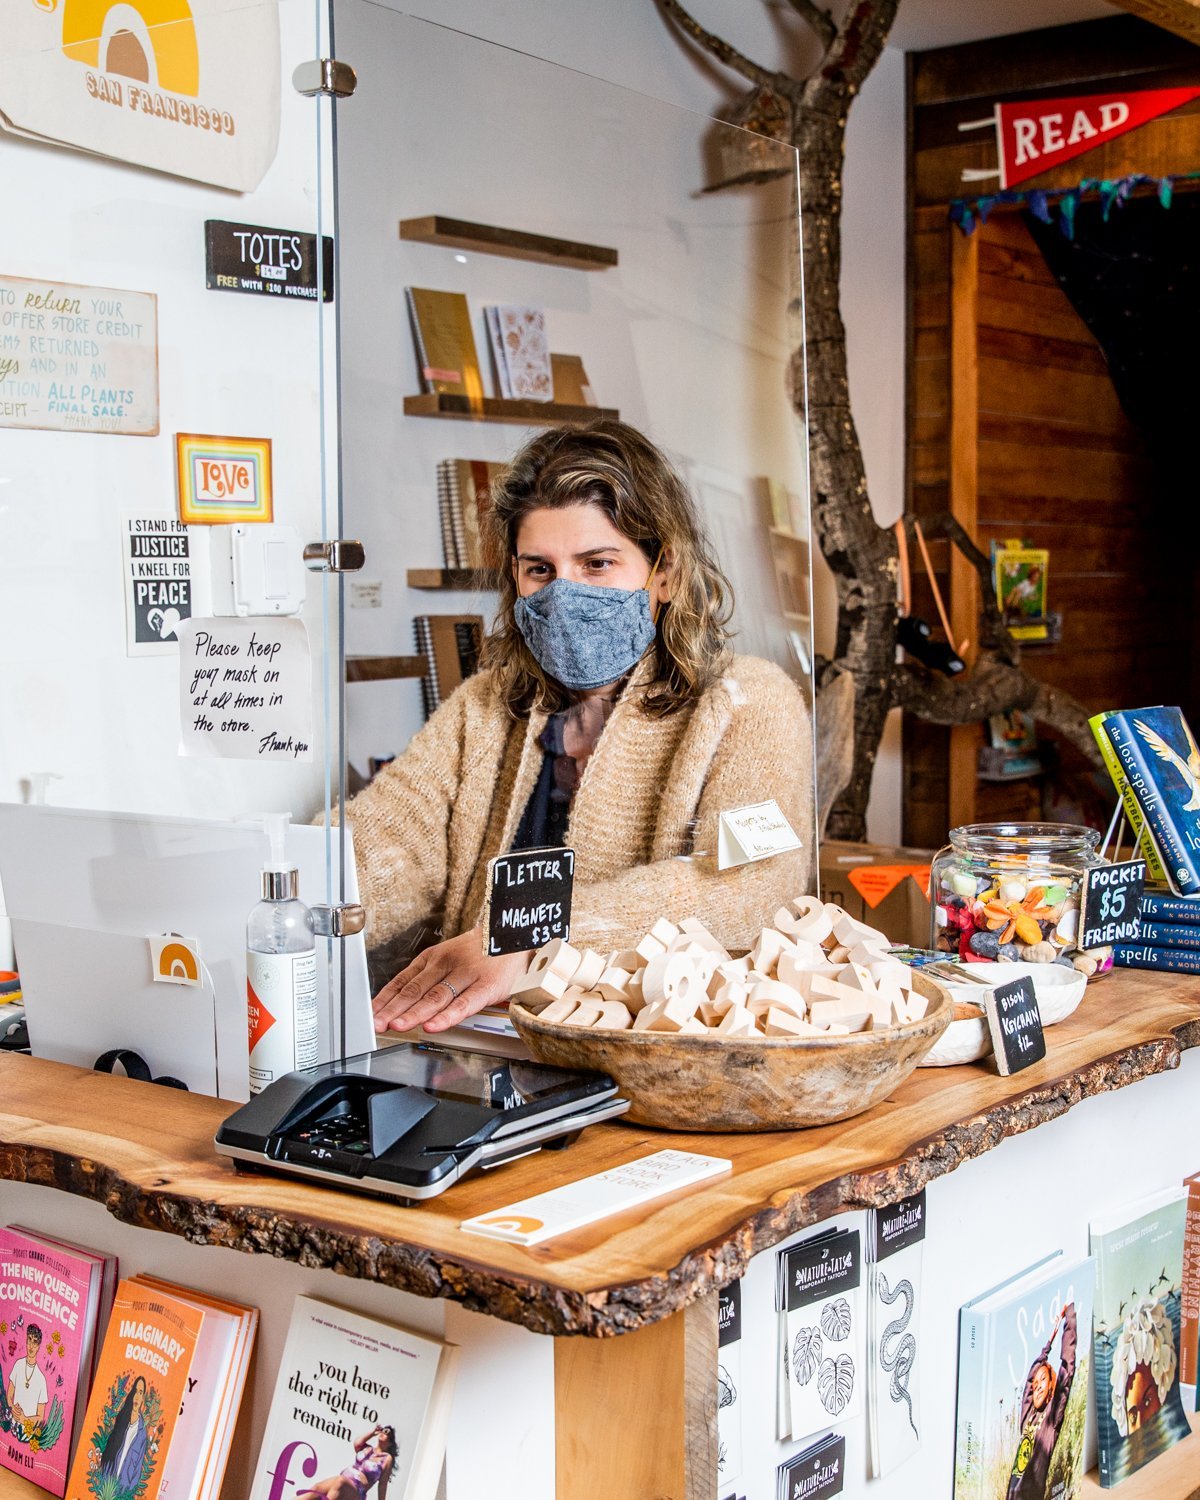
266,262
1015,1023
529,899
1111,904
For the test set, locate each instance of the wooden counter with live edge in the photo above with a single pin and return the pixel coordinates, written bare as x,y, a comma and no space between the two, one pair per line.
146,1154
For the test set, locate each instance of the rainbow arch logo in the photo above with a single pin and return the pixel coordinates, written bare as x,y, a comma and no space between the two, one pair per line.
175,959
148,41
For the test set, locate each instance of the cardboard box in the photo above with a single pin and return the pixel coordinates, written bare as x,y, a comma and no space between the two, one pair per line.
884,887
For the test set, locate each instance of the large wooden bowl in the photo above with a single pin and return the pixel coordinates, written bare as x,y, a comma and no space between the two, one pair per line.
765,1083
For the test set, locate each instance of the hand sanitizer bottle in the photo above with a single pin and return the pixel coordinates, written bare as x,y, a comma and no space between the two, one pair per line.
281,970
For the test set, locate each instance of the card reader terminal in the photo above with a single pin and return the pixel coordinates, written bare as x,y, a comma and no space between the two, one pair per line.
411,1119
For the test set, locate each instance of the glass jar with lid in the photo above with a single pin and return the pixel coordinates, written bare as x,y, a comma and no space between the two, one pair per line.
1012,891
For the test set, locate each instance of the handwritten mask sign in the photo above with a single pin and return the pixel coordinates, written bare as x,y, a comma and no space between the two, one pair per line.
1110,905
191,89
752,833
245,689
78,358
529,899
1015,1023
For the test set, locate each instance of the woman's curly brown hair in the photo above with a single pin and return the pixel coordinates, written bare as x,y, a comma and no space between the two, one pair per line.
611,465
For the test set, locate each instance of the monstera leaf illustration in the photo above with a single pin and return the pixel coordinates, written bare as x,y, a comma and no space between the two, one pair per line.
806,1354
726,1390
835,1320
835,1383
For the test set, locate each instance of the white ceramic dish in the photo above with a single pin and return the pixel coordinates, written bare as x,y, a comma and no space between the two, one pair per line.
1057,988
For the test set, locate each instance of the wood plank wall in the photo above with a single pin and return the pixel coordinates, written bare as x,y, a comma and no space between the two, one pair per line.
1056,460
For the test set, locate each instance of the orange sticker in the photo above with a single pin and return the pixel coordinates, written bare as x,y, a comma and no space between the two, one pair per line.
514,1223
874,883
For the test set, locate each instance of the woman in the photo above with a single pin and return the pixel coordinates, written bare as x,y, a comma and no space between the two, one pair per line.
125,1451
1043,1412
608,713
374,1459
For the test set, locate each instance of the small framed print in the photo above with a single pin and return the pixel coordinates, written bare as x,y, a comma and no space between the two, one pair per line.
223,479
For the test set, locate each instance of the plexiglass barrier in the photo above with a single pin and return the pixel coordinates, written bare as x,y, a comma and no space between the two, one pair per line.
170,669
522,247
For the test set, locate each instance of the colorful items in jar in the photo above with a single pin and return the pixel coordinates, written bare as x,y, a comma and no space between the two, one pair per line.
1011,917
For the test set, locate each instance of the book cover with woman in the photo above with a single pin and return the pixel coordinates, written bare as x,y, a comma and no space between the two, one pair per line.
140,1383
1023,1367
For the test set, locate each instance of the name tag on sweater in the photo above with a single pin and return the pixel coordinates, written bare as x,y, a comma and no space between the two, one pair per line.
751,833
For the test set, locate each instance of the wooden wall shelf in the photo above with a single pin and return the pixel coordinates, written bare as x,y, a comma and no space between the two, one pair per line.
384,668
469,579
514,244
493,409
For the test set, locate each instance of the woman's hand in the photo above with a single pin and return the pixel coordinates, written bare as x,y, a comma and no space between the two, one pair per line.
446,983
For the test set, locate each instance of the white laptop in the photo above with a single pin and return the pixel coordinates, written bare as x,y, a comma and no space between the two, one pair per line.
86,890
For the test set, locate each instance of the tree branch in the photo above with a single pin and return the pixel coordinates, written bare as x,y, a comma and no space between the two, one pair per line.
994,634
723,52
820,20
855,50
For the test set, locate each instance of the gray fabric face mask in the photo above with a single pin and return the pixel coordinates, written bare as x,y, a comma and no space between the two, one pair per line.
585,635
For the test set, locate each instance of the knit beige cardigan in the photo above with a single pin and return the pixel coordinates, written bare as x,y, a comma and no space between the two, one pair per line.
643,823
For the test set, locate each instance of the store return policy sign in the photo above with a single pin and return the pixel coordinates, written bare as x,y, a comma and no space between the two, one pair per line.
245,689
266,262
78,358
529,899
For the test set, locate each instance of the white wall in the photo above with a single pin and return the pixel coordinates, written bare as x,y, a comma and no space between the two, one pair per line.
73,703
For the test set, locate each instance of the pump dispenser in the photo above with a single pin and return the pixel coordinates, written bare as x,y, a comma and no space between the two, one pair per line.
281,969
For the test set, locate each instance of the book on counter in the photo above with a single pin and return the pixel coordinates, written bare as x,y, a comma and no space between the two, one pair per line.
1169,934
446,355
895,1238
1155,874
53,1296
1189,1328
199,1453
1160,764
1139,1276
1162,906
821,1300
355,1393
133,1412
1164,960
1024,1351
